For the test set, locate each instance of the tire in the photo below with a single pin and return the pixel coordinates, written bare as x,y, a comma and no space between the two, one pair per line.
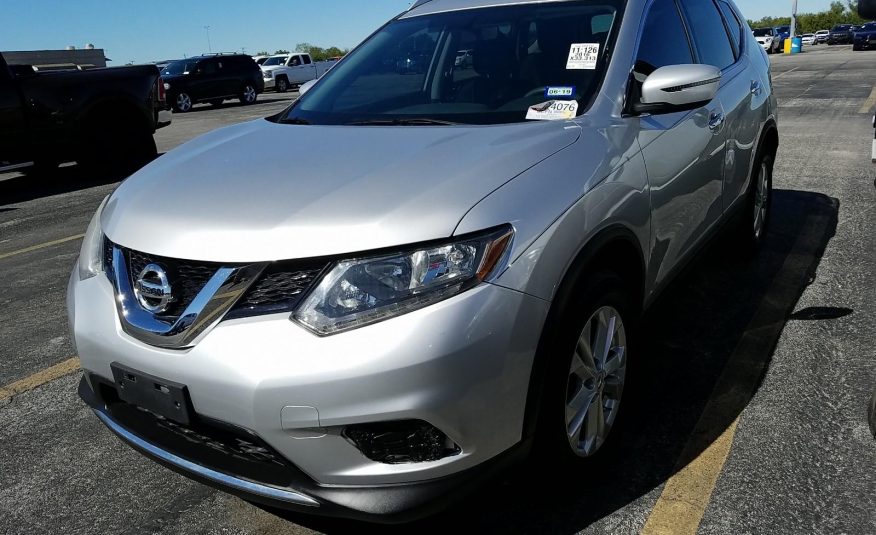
282,84
583,384
752,224
248,94
182,103
857,48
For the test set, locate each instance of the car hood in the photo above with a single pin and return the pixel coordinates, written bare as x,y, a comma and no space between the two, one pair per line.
271,67
264,191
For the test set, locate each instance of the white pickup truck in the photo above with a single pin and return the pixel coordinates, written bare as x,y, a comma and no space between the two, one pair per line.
291,70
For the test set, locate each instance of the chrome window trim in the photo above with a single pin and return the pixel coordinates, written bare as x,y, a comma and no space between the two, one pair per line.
209,306
207,473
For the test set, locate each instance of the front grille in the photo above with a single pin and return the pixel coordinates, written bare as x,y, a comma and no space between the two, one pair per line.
279,289
187,278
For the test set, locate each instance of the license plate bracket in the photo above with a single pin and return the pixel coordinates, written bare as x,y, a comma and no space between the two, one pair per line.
159,396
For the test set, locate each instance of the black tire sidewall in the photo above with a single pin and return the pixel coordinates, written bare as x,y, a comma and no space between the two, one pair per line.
595,291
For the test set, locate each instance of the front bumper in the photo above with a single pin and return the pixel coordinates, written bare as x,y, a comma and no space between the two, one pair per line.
269,83
462,365
386,504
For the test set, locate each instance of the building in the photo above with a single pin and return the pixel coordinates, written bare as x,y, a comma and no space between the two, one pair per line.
47,60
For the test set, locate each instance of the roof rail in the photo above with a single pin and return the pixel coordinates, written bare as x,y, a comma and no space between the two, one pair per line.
222,54
418,3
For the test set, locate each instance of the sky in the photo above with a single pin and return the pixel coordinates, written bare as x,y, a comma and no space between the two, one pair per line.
138,31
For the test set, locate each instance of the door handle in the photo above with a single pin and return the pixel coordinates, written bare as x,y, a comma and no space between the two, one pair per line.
716,121
756,88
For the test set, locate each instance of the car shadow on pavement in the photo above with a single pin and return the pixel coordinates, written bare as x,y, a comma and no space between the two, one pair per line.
39,184
710,336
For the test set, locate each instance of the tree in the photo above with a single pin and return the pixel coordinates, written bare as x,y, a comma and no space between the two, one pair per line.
281,51
838,13
262,53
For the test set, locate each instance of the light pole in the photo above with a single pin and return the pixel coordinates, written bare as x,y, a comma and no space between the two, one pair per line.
209,46
793,18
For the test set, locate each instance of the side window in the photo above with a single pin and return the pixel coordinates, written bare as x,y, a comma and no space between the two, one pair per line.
664,40
736,27
709,34
296,61
306,60
208,67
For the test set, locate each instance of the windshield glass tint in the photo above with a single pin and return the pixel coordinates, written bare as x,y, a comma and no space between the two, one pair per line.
178,67
474,66
274,61
761,32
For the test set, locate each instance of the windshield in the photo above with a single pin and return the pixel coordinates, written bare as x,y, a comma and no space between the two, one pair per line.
762,32
179,67
276,60
841,27
473,66
784,29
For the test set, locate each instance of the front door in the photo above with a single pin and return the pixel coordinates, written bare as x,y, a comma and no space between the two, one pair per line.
683,151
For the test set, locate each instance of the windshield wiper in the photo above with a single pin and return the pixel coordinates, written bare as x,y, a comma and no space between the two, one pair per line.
414,121
295,120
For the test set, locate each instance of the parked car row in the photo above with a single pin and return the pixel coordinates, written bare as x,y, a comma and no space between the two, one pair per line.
860,37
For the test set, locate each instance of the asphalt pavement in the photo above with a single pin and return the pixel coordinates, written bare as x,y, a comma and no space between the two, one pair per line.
750,415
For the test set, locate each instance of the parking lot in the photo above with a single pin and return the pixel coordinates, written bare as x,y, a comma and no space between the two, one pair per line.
751,408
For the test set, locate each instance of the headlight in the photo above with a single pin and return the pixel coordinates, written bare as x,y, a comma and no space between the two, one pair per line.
269,74
91,252
166,86
359,292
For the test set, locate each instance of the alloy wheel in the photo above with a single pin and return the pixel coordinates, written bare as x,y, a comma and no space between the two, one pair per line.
761,199
596,381
183,102
249,94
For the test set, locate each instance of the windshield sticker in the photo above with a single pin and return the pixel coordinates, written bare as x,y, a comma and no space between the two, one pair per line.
559,92
583,56
553,110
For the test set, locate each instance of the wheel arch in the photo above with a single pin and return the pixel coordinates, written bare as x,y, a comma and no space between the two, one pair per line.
614,249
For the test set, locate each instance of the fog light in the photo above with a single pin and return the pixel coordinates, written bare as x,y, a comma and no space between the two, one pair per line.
408,441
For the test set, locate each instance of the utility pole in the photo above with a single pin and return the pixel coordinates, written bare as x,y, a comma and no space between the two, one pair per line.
210,47
793,18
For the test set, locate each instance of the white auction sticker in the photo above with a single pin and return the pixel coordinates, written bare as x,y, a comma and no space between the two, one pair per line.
583,56
553,110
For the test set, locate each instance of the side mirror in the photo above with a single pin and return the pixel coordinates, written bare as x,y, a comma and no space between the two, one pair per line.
678,88
22,71
305,87
867,9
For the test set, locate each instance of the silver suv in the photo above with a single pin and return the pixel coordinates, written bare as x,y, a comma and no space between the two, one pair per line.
453,270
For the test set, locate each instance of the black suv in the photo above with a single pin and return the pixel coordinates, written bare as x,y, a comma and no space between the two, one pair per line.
841,34
212,78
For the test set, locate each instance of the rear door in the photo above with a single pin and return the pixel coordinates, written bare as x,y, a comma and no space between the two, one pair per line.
684,151
13,127
206,83
744,96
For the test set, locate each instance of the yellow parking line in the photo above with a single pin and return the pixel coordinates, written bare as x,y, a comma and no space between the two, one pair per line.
41,246
39,378
681,506
868,104
687,494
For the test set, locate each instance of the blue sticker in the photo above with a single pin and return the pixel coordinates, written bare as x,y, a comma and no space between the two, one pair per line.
559,92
